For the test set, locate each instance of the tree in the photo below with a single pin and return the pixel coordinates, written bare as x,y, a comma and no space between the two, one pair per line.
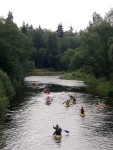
94,48
109,17
97,19
66,58
15,49
60,31
41,58
52,51
9,17
6,93
110,54
24,28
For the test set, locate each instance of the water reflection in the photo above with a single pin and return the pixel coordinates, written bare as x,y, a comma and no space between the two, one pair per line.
31,124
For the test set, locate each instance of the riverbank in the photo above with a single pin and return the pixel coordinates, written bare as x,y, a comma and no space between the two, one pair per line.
46,72
100,86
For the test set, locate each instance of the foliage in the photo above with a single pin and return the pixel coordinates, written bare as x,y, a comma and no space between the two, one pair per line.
109,16
6,93
15,49
60,30
97,19
66,58
100,87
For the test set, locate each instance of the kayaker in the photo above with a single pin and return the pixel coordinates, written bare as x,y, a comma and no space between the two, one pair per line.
46,90
48,101
48,98
58,130
82,110
67,102
73,99
57,126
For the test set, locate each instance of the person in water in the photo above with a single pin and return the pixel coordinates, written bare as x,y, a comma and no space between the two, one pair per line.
82,110
58,130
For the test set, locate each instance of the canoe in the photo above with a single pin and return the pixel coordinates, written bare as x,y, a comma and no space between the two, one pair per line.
82,115
57,137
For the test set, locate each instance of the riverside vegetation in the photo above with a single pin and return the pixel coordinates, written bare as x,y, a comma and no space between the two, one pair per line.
100,86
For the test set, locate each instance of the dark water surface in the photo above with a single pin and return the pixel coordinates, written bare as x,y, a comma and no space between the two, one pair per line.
31,123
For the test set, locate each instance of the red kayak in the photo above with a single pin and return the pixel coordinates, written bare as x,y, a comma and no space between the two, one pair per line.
46,91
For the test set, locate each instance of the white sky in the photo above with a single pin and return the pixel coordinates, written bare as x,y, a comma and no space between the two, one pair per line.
49,13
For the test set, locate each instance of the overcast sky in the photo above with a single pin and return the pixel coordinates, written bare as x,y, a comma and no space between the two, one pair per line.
49,13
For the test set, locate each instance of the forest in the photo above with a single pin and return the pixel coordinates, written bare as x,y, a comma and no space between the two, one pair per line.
25,48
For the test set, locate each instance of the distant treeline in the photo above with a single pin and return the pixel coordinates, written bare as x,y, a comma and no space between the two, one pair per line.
22,49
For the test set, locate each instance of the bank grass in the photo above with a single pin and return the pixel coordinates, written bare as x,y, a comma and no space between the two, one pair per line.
46,72
100,86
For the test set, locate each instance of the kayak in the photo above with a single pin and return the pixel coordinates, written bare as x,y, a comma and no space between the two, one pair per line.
74,102
67,105
82,115
102,105
57,137
71,103
48,102
46,91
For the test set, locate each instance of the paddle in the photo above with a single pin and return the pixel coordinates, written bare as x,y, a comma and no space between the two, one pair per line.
66,131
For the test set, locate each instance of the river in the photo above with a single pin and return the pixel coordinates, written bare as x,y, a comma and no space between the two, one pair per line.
30,123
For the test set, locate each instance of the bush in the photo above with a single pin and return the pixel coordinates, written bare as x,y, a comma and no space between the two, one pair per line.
6,92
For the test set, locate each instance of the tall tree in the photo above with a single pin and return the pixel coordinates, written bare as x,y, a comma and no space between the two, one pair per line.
60,31
9,17
109,16
52,51
15,50
97,19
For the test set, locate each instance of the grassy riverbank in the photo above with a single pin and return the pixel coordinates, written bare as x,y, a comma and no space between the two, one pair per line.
100,87
46,72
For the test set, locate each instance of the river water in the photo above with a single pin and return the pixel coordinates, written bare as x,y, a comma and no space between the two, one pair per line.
30,125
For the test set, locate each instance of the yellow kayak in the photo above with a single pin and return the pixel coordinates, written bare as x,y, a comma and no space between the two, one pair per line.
57,137
74,102
48,102
67,105
82,115
71,103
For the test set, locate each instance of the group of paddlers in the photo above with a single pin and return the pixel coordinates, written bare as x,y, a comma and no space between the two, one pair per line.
67,103
58,130
70,101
